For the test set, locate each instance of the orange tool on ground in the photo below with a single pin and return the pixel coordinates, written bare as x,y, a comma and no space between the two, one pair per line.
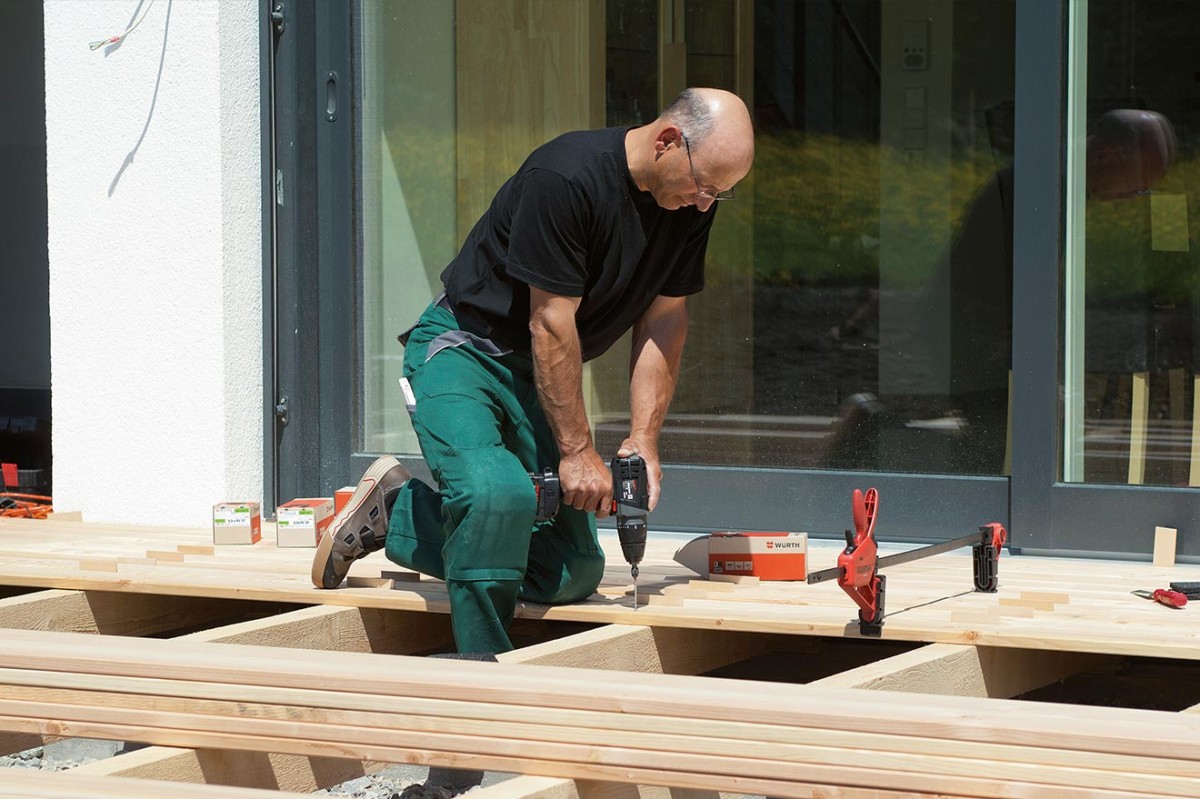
1172,599
21,506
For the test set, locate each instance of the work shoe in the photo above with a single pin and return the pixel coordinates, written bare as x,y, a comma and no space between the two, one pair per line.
360,528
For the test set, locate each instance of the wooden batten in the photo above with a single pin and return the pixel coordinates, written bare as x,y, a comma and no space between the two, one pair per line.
689,733
25,784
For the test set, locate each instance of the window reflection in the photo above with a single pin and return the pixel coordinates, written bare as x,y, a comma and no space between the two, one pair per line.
1130,400
857,309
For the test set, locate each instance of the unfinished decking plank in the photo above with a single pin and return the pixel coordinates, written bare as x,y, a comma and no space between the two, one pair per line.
251,666
1035,732
76,696
733,772
1100,616
426,720
28,784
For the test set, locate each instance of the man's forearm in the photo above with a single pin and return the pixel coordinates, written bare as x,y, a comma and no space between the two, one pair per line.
558,375
654,369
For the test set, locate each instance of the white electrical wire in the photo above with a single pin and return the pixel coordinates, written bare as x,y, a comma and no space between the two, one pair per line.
115,39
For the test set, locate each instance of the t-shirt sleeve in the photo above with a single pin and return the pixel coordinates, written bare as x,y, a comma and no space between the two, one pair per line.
688,275
547,246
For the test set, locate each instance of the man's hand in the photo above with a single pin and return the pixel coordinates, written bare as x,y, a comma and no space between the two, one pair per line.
586,482
649,454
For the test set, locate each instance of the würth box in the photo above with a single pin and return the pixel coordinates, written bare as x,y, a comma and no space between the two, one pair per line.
237,523
299,523
767,556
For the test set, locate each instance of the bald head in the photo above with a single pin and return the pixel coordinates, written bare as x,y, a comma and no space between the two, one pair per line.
700,145
1128,151
711,119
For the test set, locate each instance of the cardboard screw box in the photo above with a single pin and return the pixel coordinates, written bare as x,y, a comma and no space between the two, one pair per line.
301,522
237,523
767,556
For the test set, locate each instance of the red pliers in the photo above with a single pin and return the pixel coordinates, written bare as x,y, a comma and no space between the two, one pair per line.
1172,599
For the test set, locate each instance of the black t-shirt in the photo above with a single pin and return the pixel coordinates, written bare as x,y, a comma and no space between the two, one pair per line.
572,222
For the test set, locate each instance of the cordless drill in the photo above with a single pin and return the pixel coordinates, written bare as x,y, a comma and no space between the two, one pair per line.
631,506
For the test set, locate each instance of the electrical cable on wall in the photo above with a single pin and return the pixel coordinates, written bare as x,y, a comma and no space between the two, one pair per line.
121,36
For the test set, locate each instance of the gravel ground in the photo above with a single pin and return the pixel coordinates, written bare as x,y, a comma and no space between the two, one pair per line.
47,758
414,782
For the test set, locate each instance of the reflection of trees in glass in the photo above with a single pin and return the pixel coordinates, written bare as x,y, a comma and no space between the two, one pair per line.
817,208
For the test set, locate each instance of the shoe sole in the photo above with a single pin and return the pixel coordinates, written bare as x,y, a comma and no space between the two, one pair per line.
365,486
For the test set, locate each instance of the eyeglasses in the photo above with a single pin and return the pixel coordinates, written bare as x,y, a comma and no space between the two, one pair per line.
701,193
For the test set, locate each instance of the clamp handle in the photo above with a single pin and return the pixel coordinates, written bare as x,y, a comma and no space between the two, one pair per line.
858,573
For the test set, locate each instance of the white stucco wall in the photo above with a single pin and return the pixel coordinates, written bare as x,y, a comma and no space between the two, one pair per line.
155,242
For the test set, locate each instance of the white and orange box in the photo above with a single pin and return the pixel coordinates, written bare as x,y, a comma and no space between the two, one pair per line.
237,523
301,522
767,556
341,497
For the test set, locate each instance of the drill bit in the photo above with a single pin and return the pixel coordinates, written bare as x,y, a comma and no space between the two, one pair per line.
633,570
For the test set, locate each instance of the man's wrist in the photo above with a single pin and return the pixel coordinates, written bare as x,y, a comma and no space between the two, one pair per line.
571,449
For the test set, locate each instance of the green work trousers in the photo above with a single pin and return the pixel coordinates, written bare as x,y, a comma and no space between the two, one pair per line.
482,431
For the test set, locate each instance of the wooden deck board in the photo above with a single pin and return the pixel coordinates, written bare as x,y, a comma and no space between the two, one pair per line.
1043,603
653,729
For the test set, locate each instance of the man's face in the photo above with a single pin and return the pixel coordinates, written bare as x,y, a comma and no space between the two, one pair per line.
688,179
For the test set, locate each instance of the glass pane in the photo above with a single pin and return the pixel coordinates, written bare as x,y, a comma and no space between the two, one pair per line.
856,313
1130,282
631,62
408,197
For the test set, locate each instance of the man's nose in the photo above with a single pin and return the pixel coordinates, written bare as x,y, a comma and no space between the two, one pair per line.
704,203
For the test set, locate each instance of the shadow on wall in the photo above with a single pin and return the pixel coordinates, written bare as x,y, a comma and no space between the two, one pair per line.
134,21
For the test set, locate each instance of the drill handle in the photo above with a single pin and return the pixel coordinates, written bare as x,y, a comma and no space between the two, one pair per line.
631,486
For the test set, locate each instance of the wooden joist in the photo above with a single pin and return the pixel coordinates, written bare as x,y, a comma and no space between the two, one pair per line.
950,670
217,766
771,739
117,613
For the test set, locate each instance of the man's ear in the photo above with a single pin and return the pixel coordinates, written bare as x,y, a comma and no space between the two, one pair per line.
670,134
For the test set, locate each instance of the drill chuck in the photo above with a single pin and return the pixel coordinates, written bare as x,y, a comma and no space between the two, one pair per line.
632,535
